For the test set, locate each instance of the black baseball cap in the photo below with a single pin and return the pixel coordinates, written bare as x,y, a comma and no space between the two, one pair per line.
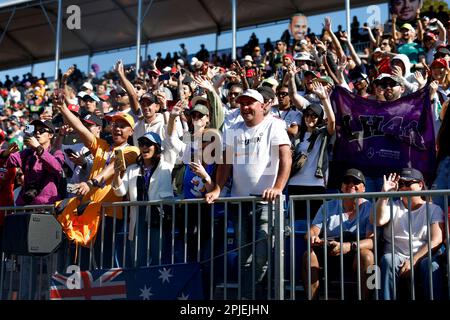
46,123
266,92
316,108
355,173
411,174
92,119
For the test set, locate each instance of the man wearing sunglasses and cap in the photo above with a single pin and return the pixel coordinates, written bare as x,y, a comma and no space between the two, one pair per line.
409,212
352,182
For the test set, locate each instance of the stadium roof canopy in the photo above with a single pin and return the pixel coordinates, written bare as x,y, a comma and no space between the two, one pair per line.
27,37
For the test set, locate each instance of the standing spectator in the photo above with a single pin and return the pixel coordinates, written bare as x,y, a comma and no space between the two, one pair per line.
203,54
7,177
313,142
287,112
412,49
409,179
14,93
146,180
260,164
183,53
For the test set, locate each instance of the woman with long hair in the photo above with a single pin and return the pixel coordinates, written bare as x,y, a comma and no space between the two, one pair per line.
315,133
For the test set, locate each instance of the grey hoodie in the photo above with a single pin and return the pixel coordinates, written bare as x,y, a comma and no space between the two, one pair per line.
408,79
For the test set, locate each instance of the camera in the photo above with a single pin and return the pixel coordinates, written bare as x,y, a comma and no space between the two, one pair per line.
31,193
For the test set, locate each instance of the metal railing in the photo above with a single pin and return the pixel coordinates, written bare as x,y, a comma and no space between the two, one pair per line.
242,255
308,249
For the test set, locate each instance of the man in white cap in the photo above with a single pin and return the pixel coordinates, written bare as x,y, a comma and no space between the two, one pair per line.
257,153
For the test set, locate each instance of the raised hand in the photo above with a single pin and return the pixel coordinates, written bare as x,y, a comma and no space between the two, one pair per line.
67,74
319,90
327,24
420,79
397,71
118,67
204,83
434,85
390,183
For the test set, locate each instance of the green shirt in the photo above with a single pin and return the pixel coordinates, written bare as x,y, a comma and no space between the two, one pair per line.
413,51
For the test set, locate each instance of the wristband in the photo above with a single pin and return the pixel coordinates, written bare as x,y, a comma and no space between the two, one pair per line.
39,150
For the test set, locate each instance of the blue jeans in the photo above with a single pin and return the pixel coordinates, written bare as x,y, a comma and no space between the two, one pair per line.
387,276
260,257
442,181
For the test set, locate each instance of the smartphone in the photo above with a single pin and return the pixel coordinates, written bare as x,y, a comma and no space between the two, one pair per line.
29,129
69,152
120,159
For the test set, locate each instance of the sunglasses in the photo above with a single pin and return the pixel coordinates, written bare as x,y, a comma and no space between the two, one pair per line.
403,183
349,180
282,94
390,84
154,76
234,94
41,131
197,115
384,44
145,143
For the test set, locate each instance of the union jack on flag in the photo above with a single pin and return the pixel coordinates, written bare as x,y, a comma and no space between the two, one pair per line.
94,285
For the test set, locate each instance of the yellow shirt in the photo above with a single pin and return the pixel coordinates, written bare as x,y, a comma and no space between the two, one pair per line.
103,156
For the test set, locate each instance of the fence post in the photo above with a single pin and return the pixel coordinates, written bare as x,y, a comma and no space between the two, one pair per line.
279,247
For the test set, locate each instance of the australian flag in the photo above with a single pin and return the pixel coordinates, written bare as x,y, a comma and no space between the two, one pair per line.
166,282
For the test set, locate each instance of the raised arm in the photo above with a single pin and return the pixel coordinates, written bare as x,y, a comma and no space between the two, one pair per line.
297,100
352,49
334,39
128,86
382,208
394,28
320,91
372,39
85,135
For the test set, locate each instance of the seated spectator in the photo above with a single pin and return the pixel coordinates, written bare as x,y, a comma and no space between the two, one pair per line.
353,182
409,212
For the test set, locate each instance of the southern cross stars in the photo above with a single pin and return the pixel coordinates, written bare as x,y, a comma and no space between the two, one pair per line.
145,293
165,275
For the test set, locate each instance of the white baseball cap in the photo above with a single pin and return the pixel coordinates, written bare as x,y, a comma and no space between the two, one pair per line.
87,85
252,94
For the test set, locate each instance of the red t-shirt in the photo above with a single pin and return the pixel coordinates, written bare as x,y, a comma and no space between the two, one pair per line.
7,176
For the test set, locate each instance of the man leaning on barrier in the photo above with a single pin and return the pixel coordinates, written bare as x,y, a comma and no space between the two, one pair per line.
353,182
414,208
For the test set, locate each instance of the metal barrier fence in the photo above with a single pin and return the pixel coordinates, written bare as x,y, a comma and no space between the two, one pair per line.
308,251
223,238
239,242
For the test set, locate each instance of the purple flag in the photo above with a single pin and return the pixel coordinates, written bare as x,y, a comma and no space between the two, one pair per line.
379,137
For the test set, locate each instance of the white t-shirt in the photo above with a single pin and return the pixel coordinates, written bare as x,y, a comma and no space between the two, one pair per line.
401,227
289,116
306,177
232,116
253,170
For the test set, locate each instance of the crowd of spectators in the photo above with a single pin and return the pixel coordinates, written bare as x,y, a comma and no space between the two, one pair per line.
139,134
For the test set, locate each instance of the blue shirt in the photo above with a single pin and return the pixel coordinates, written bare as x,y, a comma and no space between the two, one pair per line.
349,226
193,186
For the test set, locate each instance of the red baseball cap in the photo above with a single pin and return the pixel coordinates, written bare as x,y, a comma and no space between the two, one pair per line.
74,108
441,62
2,135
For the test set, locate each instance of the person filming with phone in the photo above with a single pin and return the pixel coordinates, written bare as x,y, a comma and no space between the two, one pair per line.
353,182
42,168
